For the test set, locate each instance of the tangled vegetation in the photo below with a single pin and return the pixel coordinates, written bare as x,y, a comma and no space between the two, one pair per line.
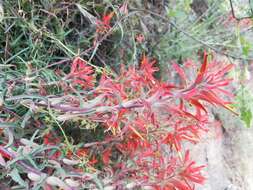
113,94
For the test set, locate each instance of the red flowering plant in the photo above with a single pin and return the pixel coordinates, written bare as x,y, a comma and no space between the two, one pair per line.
147,122
148,126
87,128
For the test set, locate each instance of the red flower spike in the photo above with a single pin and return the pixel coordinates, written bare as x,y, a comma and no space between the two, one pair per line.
202,71
192,172
106,20
104,25
148,69
207,86
82,73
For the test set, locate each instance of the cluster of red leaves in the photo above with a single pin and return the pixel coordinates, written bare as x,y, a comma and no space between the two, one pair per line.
150,120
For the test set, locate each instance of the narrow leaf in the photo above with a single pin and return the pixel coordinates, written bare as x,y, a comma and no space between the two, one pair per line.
203,69
14,174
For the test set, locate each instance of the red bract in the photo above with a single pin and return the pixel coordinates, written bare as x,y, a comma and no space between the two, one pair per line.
207,86
148,69
106,20
106,156
192,173
50,139
202,71
81,73
104,25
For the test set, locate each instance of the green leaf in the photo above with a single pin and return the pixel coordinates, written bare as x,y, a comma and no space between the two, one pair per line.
246,46
14,174
26,117
246,116
98,183
7,125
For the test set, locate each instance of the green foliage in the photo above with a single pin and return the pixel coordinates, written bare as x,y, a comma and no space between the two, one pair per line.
244,103
246,116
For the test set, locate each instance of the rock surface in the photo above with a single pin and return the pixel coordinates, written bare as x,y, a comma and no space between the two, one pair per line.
228,153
